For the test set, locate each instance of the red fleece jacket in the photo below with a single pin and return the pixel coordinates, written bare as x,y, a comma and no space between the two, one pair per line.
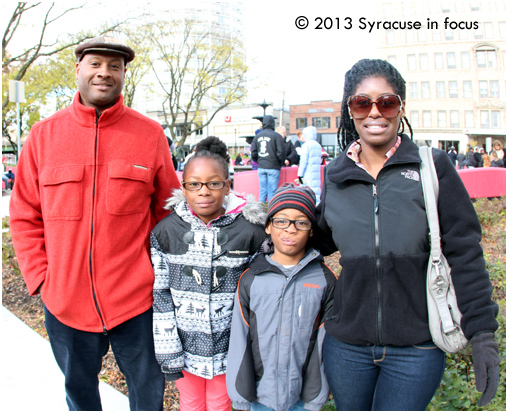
88,192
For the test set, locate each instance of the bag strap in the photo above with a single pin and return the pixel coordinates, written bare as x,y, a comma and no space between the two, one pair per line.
440,277
430,186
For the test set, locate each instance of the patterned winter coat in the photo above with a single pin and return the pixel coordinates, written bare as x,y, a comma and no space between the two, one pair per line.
197,267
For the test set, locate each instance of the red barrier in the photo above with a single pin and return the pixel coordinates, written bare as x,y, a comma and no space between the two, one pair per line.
479,182
247,182
484,182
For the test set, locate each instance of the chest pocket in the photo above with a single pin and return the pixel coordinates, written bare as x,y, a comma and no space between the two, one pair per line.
128,186
62,192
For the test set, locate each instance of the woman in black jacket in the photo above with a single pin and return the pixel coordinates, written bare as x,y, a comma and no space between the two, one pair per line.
378,351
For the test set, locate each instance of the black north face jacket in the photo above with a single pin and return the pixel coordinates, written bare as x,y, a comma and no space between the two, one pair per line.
380,227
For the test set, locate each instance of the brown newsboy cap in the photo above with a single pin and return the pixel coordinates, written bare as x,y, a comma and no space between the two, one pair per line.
104,44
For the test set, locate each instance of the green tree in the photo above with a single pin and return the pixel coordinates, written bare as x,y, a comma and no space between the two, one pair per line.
197,68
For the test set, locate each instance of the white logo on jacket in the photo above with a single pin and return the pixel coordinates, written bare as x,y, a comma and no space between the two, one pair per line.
414,175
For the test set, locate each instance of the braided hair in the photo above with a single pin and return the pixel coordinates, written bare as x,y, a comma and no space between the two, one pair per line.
213,148
362,70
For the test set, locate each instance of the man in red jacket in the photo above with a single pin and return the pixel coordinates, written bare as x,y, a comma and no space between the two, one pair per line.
91,184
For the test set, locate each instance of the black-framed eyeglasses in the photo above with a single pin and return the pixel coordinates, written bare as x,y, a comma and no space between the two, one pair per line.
196,186
388,105
283,223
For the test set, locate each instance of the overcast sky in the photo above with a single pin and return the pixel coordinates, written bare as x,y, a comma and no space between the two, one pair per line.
305,64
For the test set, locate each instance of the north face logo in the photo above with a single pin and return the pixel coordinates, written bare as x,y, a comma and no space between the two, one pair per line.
414,175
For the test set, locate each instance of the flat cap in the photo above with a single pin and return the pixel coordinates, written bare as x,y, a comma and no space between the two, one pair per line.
104,44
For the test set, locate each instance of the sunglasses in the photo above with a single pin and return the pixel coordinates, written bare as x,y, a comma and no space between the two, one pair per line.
388,106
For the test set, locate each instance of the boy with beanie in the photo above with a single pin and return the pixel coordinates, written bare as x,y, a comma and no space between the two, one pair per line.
275,360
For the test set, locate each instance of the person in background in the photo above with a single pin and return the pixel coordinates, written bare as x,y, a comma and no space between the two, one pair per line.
452,153
461,160
269,152
500,151
378,350
292,157
282,301
199,252
7,175
309,170
485,158
478,157
91,184
180,156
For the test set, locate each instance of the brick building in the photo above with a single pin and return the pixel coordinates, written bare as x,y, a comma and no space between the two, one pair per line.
324,115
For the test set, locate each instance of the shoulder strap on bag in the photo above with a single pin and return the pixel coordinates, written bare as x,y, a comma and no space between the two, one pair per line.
430,186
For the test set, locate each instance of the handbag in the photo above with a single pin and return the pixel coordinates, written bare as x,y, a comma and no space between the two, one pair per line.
444,313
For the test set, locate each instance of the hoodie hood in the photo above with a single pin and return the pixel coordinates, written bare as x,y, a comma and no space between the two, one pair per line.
234,204
268,122
309,133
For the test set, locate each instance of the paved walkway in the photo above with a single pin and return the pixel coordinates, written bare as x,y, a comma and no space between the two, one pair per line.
30,377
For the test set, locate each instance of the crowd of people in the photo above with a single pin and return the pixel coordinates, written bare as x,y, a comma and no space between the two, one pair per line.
476,157
229,298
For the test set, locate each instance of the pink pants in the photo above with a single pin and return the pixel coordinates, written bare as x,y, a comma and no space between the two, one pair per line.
199,394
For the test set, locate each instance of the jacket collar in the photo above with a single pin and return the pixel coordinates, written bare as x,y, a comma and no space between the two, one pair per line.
260,265
343,168
87,116
235,205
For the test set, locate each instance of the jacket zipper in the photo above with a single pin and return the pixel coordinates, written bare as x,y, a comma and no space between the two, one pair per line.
104,330
378,262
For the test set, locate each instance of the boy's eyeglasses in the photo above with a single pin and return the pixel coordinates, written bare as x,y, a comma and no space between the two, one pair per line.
283,223
388,106
196,186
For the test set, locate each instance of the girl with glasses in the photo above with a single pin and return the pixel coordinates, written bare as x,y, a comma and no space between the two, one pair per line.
378,351
198,253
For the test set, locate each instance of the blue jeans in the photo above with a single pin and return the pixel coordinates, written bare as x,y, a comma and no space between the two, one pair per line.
258,407
79,355
382,377
268,183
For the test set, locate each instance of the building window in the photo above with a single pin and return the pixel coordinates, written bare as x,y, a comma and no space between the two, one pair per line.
440,89
478,33
427,119
466,62
469,118
390,37
438,61
441,118
436,35
448,34
426,90
301,123
484,88
454,119
422,34
415,118
411,62
424,61
496,119
321,123
463,34
494,88
392,59
413,90
410,36
486,59
453,89
475,6
450,60
468,88
484,119
489,30
502,30
337,121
